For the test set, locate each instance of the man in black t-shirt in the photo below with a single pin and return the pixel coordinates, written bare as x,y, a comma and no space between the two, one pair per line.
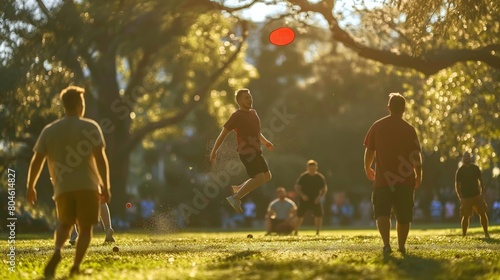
311,188
469,187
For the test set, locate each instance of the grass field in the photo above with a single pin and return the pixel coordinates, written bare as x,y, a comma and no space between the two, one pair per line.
335,254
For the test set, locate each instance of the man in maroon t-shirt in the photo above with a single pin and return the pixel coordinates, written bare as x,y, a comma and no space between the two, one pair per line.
246,123
393,144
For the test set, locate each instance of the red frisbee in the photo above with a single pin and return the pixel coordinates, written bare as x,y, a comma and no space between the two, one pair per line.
282,36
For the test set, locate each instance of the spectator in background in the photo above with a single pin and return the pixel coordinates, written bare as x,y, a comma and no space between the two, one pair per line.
436,209
249,209
335,214
449,211
347,212
147,208
365,211
281,214
496,210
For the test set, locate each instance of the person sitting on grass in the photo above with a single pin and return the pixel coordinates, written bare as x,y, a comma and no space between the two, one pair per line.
281,214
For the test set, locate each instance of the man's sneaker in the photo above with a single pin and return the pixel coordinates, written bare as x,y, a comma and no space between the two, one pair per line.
50,269
235,203
387,250
402,251
109,235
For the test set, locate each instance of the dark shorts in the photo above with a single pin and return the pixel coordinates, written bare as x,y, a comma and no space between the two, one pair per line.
399,199
468,205
80,207
307,205
254,163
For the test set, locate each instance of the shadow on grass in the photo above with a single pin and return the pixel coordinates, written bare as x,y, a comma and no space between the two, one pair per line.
492,240
415,267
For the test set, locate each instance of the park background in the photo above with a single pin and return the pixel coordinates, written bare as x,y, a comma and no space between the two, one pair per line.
160,77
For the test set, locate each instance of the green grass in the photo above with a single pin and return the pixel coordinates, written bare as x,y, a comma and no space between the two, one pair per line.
336,254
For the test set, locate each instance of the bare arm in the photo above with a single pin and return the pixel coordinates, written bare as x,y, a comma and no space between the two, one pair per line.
266,142
34,170
103,168
298,189
458,187
481,185
417,166
368,159
321,194
218,142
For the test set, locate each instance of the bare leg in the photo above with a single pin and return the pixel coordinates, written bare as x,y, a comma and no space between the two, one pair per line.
384,228
252,184
106,222
298,224
105,216
484,222
403,230
465,225
82,244
318,221
61,235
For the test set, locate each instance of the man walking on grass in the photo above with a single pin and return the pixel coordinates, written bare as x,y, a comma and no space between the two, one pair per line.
393,144
78,166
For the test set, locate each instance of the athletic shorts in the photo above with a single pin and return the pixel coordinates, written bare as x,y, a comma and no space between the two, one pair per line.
475,203
80,207
254,163
398,198
309,205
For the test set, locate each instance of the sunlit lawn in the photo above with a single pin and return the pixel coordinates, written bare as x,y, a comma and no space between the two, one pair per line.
336,254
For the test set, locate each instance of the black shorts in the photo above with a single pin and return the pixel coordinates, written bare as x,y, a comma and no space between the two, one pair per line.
310,205
254,163
399,199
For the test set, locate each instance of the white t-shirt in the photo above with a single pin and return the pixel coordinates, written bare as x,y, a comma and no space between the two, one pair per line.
282,208
67,144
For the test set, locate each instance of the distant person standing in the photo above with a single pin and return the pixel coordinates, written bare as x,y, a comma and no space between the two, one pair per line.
311,188
469,187
393,144
246,123
78,166
281,214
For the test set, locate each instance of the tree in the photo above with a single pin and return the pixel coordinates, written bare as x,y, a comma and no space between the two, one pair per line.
412,34
146,65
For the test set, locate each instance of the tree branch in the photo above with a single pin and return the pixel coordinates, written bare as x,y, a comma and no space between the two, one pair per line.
202,92
44,9
428,63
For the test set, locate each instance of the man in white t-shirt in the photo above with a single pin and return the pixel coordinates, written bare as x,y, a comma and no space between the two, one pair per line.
78,167
281,214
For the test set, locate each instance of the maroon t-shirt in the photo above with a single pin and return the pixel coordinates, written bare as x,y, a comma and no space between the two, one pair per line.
247,127
396,145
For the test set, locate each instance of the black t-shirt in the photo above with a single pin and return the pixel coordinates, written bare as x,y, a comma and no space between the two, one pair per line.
468,178
311,185
247,127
